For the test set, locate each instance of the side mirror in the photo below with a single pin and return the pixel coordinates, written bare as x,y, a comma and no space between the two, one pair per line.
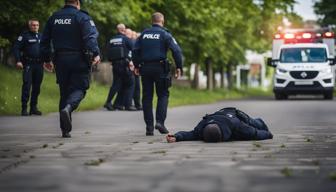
332,61
272,62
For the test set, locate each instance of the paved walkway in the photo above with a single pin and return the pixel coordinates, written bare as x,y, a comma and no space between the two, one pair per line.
109,152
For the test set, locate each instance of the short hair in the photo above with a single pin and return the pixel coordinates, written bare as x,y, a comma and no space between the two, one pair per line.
121,28
70,1
212,133
157,17
32,20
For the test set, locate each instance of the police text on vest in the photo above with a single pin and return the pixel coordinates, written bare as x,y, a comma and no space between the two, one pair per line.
151,36
63,21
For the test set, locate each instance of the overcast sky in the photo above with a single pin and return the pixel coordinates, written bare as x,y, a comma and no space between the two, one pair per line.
305,9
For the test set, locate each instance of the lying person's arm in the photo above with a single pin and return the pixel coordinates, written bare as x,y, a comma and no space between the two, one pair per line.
182,136
247,132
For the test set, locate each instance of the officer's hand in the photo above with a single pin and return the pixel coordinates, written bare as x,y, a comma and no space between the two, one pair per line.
178,73
19,65
96,60
49,67
171,138
131,66
136,71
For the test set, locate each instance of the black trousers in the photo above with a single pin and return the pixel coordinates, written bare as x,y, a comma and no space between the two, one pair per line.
32,79
124,100
73,78
154,77
136,94
123,82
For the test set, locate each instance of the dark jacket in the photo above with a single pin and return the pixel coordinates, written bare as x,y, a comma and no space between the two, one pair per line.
234,124
69,30
27,46
117,42
153,45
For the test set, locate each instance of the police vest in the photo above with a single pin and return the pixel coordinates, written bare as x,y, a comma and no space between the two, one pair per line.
152,45
66,31
117,50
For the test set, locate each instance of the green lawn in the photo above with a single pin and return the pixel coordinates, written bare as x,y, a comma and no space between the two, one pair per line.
11,81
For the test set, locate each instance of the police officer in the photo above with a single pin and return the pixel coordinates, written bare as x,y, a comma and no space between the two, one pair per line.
120,101
74,38
120,54
227,124
151,59
27,54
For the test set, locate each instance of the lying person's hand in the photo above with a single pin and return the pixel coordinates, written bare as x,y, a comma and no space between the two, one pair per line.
171,138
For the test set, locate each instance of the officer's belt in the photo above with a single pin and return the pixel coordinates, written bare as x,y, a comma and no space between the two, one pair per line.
32,60
68,52
154,62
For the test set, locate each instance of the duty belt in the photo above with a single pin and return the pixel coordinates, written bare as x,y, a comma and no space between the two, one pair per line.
154,62
32,60
68,52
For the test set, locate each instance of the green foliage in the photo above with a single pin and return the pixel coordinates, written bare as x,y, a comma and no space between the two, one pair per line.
220,30
327,10
10,95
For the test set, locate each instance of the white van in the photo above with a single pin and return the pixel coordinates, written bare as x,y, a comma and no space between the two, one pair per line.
303,68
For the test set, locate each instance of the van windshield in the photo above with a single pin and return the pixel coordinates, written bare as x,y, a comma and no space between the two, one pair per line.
303,55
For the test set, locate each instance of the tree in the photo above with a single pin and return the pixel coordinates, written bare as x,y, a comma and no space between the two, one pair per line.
327,10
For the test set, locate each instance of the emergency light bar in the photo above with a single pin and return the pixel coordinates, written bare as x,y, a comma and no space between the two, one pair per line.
303,36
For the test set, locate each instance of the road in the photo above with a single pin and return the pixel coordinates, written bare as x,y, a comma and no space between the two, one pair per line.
109,152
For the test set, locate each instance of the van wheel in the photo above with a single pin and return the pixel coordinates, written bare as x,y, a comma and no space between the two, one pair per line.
329,95
279,96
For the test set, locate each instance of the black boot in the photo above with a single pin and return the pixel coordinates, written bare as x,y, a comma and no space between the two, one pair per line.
34,111
149,130
66,119
161,128
66,134
131,108
24,111
118,108
109,107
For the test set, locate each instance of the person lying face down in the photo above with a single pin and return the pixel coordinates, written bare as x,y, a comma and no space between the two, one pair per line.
227,124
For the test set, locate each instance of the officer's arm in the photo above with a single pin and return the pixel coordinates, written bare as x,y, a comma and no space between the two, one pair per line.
136,53
18,46
247,132
186,136
176,50
90,35
129,46
46,42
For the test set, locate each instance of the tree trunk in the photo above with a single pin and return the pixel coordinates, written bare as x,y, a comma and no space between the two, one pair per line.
208,65
221,70
214,78
195,83
229,76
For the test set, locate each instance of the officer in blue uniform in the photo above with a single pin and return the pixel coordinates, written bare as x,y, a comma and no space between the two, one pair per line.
120,101
73,35
120,54
227,124
151,61
27,54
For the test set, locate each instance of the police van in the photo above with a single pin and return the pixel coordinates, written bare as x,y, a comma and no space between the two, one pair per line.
304,63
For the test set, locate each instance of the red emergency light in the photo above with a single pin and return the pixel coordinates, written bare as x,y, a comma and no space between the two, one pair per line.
306,35
328,35
277,36
289,36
